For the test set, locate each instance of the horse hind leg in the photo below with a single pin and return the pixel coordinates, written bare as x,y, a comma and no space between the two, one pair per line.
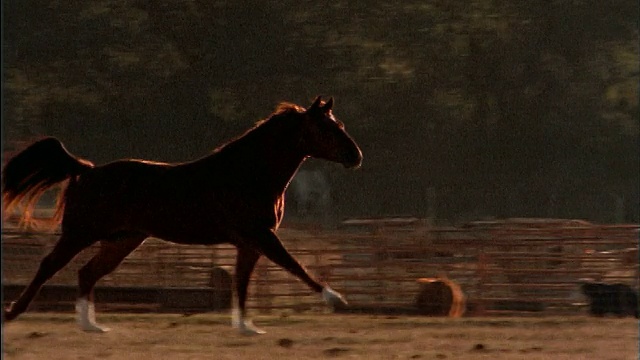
110,255
63,252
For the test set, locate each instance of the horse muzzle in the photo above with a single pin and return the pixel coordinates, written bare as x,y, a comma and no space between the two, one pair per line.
353,161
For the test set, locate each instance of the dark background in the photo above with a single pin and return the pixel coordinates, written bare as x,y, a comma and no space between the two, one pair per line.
464,110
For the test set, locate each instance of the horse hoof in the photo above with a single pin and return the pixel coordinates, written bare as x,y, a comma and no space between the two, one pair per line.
86,313
333,297
95,328
8,313
247,328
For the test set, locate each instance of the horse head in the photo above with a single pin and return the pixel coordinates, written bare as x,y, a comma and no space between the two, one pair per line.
325,137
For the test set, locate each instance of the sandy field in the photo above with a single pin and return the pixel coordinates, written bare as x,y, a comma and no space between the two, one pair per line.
209,336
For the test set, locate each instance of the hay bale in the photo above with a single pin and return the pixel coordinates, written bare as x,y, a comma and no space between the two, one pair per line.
440,297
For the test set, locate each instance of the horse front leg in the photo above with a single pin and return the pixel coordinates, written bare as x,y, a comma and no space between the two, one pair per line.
270,246
245,263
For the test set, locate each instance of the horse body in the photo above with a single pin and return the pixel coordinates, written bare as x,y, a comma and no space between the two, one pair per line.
167,202
205,201
234,195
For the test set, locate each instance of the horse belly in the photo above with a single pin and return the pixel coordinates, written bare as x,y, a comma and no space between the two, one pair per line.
183,222
190,232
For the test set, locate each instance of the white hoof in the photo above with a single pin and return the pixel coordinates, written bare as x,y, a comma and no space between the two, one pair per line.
86,313
246,327
333,297
93,327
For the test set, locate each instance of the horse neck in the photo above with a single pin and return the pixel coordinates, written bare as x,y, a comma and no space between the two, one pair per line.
286,152
266,157
283,161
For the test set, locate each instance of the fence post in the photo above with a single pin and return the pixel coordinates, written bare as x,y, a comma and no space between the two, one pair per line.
263,288
481,273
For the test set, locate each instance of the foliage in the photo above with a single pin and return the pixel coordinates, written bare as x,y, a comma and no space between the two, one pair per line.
502,107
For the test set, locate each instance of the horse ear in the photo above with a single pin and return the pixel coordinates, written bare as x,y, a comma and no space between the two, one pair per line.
328,105
315,105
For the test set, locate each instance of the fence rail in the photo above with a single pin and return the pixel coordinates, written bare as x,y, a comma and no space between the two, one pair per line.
501,269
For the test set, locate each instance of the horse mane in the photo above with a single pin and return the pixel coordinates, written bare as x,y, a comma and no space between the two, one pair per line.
283,110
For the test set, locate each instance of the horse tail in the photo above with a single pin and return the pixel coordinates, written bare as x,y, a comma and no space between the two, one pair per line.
35,170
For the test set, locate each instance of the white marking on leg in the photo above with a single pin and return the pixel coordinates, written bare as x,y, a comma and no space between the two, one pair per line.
86,313
333,297
235,317
246,327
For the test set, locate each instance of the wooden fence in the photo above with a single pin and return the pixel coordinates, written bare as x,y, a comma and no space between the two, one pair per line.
503,267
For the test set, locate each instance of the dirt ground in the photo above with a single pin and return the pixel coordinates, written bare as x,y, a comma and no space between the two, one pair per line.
209,336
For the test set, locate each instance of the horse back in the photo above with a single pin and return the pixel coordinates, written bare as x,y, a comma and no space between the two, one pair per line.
107,195
123,178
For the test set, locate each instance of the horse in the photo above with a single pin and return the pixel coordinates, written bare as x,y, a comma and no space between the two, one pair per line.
233,195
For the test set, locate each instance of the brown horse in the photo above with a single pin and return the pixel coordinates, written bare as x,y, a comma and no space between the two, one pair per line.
234,195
